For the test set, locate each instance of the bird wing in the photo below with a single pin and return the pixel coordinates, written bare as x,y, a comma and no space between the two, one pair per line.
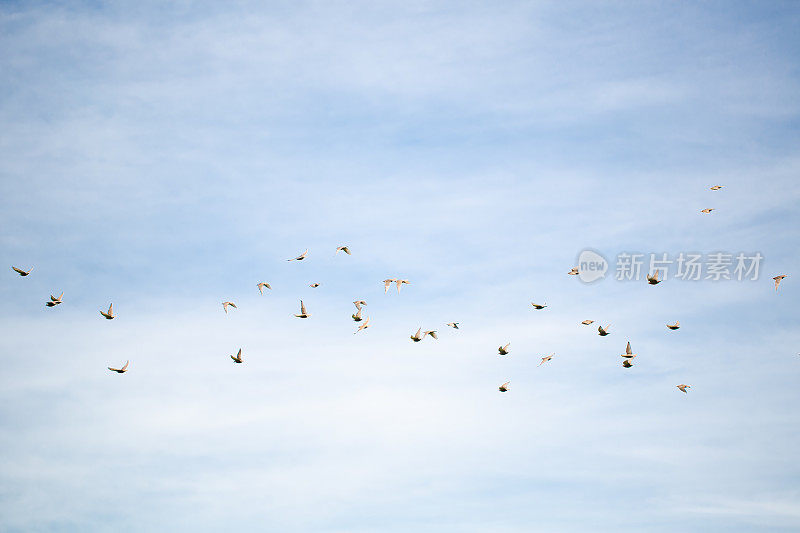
18,270
125,367
628,348
302,308
110,309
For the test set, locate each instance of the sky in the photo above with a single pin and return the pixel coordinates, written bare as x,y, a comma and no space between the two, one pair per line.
167,157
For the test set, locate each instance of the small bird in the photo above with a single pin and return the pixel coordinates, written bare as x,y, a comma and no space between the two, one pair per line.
365,325
418,336
357,316
225,306
504,387
303,312
261,287
54,301
299,257
22,272
574,271
778,280
546,359
431,333
628,353
627,363
674,326
717,187
603,331
359,303
238,357
707,210
345,249
453,325
653,280
587,322
683,387
386,284
538,306
120,370
110,314
401,282
314,285
503,350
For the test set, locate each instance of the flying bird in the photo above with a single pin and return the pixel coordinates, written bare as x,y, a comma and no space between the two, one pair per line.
574,271
627,363
54,301
299,257
628,353
238,357
418,336
22,272
546,359
503,350
778,280
683,387
453,325
261,287
345,249
538,306
357,316
504,387
674,326
110,314
707,210
587,322
400,282
717,187
365,325
303,312
120,370
314,285
653,280
603,331
225,306
431,333
386,284
359,303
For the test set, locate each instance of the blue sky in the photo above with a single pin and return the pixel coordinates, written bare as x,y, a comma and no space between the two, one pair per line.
167,158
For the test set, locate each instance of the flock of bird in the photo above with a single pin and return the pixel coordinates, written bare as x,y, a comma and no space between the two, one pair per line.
503,350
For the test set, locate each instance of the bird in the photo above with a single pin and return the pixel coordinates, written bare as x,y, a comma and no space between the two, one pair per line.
778,280
453,325
261,287
357,316
314,285
503,350
303,312
238,357
628,352
120,370
431,333
345,249
707,210
574,271
683,387
653,280
418,336
627,363
110,314
401,282
674,326
504,387
386,284
538,306
299,257
225,306
716,187
546,359
54,301
22,272
365,325
603,331
359,303
587,322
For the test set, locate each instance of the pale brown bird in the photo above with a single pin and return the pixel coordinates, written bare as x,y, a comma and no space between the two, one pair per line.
628,353
357,316
22,272
574,271
716,187
431,333
683,387
299,257
238,357
653,280
303,312
504,387
110,314
386,284
603,331
365,325
345,249
400,282
261,287
538,306
359,303
314,285
453,325
418,336
54,301
546,359
707,210
225,306
120,370
627,363
778,280
674,326
503,350
587,322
